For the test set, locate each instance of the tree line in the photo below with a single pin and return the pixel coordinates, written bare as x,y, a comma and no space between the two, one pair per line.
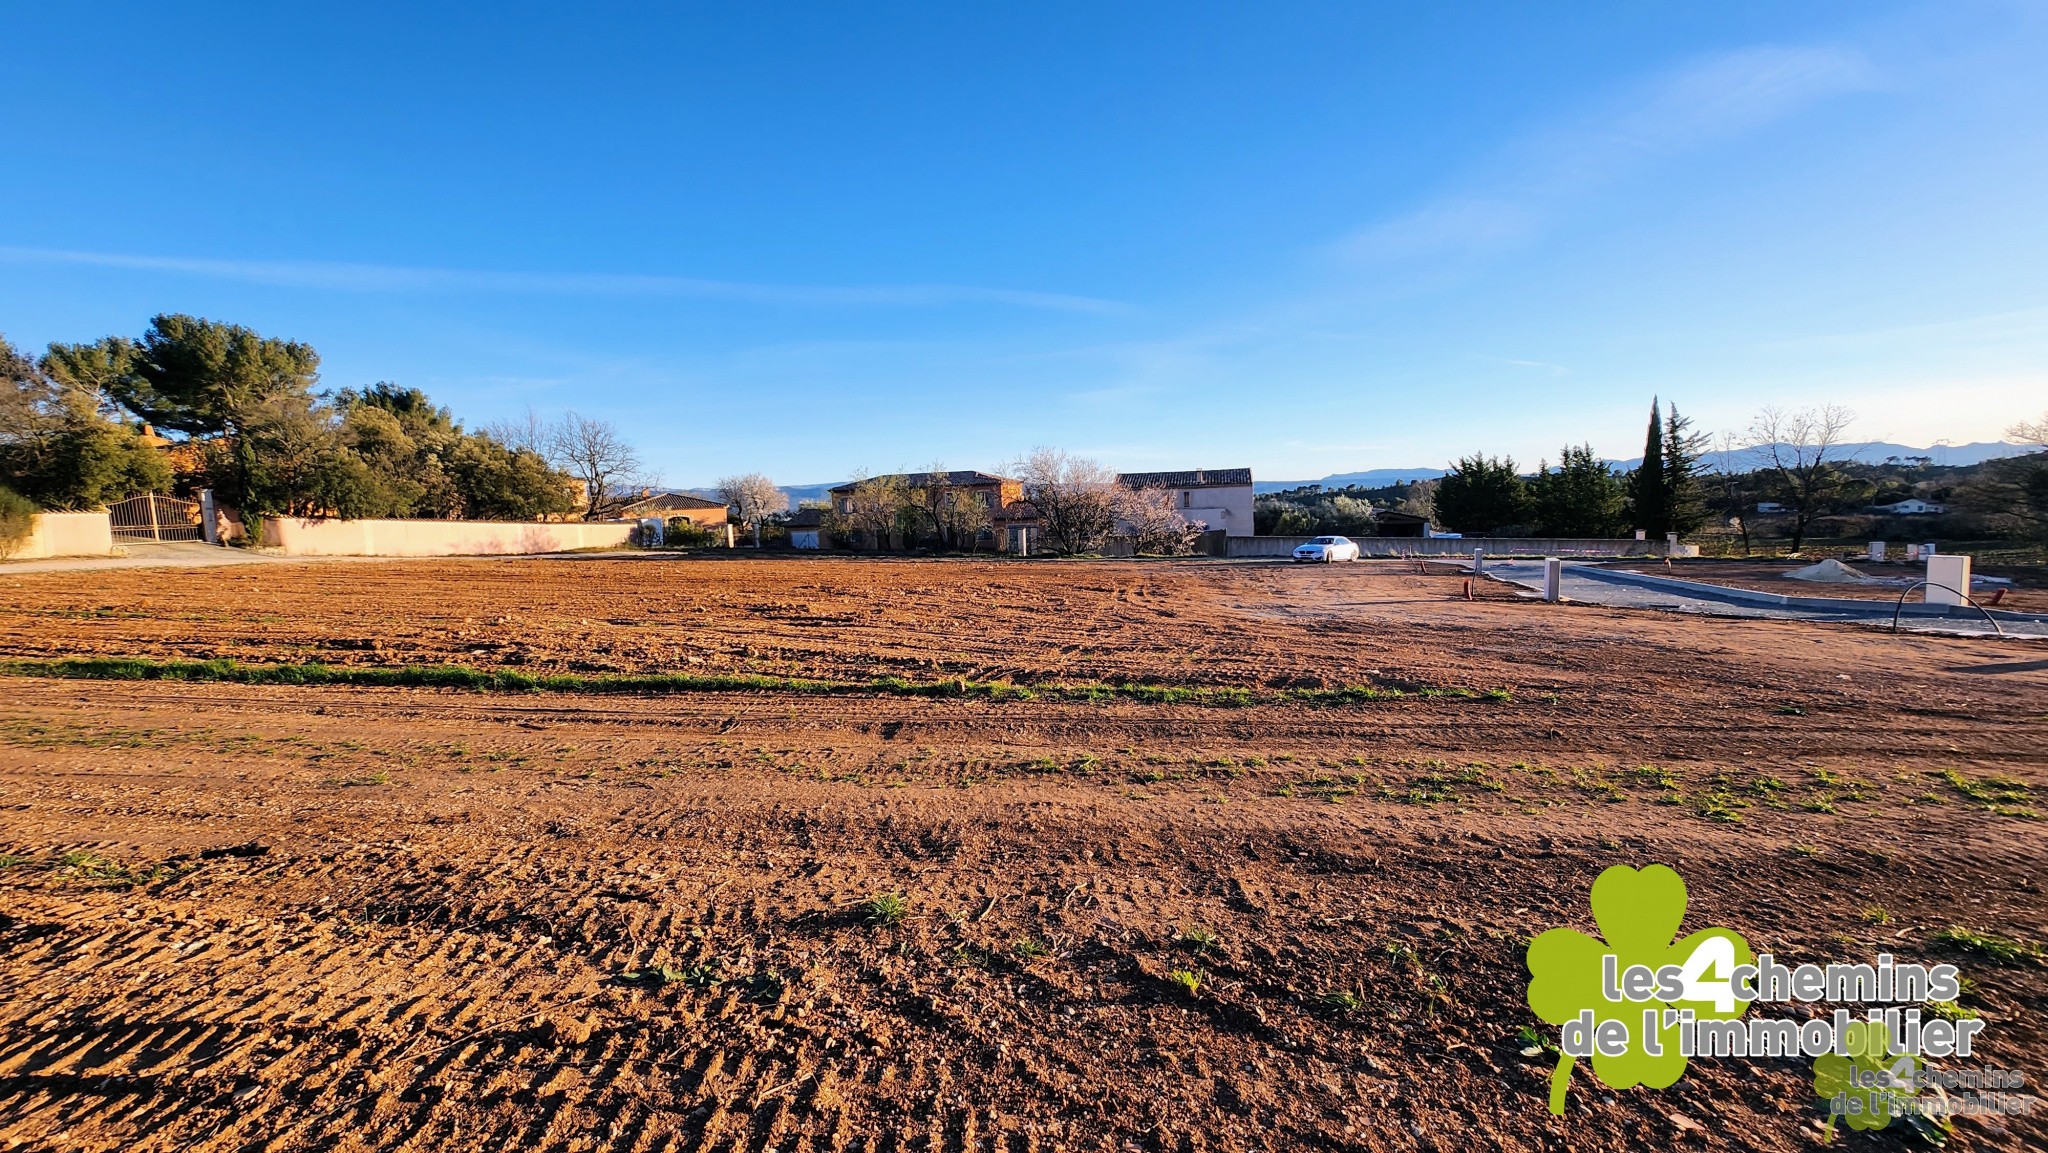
1794,463
245,418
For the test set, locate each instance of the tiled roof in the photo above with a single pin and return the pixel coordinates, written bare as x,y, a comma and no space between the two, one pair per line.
670,501
1187,478
958,478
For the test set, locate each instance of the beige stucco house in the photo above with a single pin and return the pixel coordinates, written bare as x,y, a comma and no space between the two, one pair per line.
1219,497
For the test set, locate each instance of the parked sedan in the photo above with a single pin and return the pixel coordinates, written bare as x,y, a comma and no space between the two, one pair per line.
1327,549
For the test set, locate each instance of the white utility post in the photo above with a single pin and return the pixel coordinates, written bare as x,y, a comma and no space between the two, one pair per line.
1877,552
1553,576
1478,561
1950,571
209,525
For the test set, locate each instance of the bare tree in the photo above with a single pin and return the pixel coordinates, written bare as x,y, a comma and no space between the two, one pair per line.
1075,498
2012,494
530,433
930,494
593,452
1734,492
754,497
964,514
873,509
1804,448
955,514
1155,522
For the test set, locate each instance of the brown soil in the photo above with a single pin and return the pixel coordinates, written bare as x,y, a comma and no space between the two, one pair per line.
329,918
2026,594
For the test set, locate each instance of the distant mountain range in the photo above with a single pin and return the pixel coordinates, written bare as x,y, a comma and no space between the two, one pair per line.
797,493
1372,478
1869,452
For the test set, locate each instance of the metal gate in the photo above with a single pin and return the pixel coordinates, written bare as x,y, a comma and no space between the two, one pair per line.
153,517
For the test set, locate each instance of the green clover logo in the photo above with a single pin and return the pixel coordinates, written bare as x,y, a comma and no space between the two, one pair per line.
1638,913
1868,1082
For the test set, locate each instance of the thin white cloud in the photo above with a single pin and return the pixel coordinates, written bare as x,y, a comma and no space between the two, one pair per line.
1454,226
379,278
1544,365
1512,196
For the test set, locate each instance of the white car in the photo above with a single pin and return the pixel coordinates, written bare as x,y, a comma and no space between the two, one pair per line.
1327,549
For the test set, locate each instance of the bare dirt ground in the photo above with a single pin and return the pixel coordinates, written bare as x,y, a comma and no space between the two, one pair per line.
298,918
2025,595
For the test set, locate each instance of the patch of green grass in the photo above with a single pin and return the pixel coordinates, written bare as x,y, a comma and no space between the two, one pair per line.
885,909
2001,795
1028,949
9,860
1200,939
1342,1002
1660,777
654,977
766,985
464,677
1876,915
1187,981
1950,1011
1719,807
87,867
1990,946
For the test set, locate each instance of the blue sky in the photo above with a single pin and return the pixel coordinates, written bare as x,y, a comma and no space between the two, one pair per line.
809,239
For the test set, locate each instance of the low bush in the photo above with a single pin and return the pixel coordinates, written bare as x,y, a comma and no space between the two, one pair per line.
17,521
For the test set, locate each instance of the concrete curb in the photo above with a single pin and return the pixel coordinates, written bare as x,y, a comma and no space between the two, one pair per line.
1853,606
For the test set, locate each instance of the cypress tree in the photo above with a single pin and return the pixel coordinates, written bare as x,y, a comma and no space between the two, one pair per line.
1650,492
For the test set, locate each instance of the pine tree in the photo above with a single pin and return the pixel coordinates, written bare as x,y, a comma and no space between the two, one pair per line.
1649,487
1682,448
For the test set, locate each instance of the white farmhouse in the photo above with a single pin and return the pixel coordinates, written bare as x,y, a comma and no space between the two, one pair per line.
1218,497
1913,506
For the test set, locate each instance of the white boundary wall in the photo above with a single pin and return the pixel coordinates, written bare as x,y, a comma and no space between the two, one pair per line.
67,534
1389,546
296,537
